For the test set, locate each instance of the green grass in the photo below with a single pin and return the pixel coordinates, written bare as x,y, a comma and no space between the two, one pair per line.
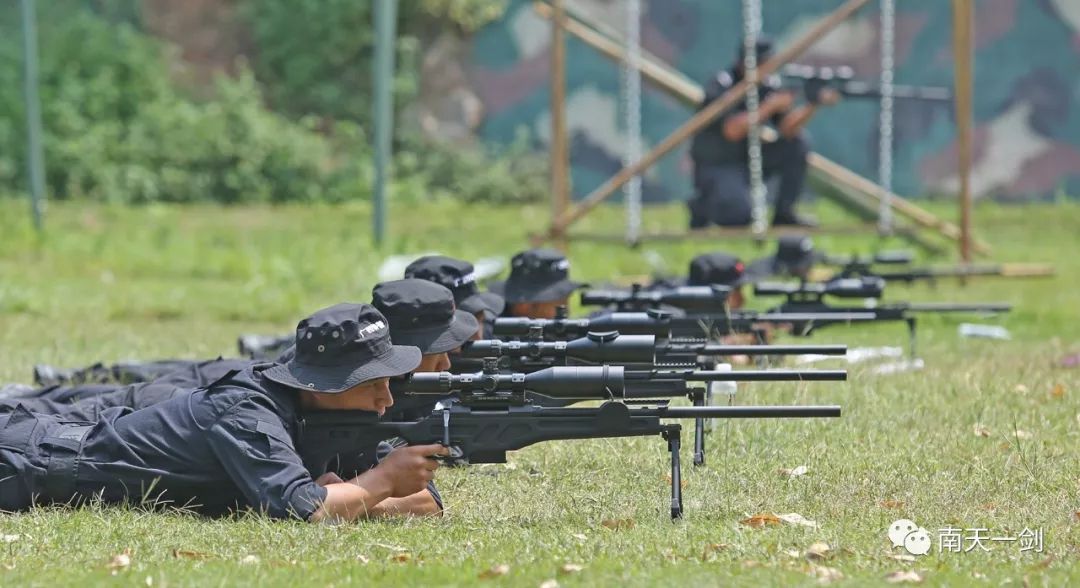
112,283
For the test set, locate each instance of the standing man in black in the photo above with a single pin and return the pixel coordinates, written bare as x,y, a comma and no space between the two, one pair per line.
720,152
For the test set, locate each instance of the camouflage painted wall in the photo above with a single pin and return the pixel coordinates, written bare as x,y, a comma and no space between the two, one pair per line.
1027,78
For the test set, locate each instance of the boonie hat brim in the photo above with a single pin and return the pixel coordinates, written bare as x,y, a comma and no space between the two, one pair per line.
442,338
396,361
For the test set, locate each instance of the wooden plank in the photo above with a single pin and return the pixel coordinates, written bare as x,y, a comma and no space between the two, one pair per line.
962,78
560,149
610,45
705,116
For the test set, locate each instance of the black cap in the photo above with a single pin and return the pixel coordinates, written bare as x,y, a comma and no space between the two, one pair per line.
423,314
459,276
764,48
718,268
342,346
539,275
795,255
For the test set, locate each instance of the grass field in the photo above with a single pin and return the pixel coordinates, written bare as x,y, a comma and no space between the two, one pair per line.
985,437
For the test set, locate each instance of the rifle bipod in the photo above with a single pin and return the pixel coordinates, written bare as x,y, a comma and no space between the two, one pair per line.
673,433
698,398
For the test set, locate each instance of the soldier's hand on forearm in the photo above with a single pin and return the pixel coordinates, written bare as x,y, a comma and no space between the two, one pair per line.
828,97
408,469
780,101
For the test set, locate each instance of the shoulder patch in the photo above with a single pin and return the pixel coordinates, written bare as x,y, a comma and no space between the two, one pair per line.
724,79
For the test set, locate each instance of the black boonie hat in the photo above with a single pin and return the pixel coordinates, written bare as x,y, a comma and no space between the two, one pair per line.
422,314
539,275
342,346
795,255
459,276
718,268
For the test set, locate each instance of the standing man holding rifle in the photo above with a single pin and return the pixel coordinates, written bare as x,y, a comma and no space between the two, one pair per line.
719,152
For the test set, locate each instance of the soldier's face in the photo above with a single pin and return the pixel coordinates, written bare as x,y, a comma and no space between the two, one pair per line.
538,310
736,299
480,330
434,362
373,396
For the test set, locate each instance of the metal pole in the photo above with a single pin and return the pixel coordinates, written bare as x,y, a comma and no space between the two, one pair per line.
385,33
34,155
885,116
962,47
631,89
560,151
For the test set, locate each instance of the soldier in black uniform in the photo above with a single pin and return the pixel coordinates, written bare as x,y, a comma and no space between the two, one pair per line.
460,277
538,285
719,152
794,258
231,444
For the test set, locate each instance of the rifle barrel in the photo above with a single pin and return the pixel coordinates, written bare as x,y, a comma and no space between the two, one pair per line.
756,349
950,307
742,375
748,412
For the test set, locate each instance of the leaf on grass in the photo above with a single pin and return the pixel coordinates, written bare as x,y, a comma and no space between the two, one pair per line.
1021,389
549,584
794,518
750,563
891,504
1022,434
119,562
363,559
570,568
401,557
682,481
579,536
990,506
793,472
495,572
618,524
1042,565
904,576
1076,516
793,553
902,557
1058,391
981,430
761,520
818,551
189,554
712,548
10,538
249,559
826,575
149,581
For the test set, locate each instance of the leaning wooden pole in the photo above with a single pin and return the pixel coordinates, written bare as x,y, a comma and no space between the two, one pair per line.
703,117
962,53
560,156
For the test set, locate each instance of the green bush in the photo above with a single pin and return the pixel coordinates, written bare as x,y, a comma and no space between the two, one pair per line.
315,58
513,175
117,129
